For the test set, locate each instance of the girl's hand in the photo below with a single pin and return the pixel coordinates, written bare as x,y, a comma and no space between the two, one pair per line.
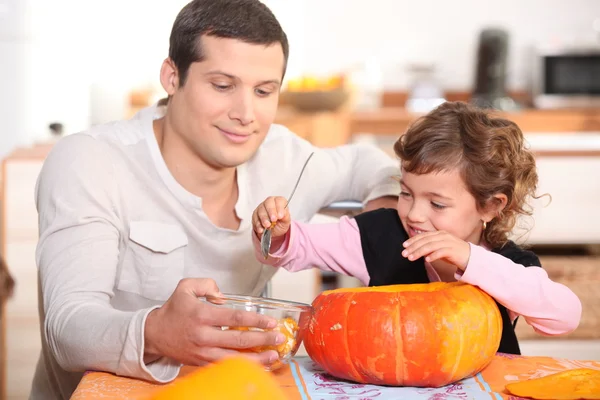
437,245
272,213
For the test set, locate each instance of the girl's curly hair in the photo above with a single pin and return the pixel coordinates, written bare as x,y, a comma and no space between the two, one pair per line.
489,151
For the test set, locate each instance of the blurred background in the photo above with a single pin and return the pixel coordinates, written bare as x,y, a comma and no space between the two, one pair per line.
77,62
358,71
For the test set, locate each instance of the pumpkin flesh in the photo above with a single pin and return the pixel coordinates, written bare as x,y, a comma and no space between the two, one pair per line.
426,335
580,383
288,326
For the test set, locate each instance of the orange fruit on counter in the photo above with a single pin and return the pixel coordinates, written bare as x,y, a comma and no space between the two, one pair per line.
230,379
311,83
335,82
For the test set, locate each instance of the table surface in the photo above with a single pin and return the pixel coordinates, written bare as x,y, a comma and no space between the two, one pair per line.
299,385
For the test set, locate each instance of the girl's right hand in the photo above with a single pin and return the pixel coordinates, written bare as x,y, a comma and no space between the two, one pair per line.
272,213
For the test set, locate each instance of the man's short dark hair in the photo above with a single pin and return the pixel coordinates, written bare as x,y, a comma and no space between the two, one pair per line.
249,21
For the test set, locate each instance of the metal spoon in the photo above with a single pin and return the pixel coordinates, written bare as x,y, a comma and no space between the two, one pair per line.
265,239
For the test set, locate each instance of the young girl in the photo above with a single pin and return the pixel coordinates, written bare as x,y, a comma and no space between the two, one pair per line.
465,179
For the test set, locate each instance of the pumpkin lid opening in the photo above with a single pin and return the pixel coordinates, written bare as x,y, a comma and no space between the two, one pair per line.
416,287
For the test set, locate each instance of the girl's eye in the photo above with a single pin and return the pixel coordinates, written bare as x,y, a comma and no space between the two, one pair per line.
404,194
438,206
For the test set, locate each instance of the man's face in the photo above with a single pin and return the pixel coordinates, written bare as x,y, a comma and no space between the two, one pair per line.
228,102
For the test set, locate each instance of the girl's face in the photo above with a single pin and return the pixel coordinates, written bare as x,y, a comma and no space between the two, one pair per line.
439,201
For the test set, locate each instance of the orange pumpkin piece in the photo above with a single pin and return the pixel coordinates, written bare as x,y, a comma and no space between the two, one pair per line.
287,326
230,379
580,383
426,335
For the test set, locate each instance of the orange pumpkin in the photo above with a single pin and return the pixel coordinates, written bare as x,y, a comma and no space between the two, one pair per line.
426,335
230,379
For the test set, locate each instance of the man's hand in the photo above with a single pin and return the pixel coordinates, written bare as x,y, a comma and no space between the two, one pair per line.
189,331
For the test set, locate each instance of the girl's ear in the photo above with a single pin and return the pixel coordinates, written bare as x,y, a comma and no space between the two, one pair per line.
494,206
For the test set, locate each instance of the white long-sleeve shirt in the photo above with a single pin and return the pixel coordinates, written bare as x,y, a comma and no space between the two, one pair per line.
118,232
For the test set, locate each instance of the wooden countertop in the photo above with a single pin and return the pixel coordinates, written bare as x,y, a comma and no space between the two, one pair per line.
393,120
38,151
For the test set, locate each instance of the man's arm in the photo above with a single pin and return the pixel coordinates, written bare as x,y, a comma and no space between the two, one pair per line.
77,257
365,173
80,222
358,172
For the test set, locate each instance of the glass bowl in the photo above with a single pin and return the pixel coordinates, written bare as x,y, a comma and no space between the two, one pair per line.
292,320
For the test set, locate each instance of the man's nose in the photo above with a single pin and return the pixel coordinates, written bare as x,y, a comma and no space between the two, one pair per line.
243,108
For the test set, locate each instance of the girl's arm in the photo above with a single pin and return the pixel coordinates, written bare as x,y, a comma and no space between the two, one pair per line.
549,307
332,247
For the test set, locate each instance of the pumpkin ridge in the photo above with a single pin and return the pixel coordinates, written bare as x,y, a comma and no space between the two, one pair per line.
489,332
483,299
401,367
498,320
461,348
315,347
325,362
353,370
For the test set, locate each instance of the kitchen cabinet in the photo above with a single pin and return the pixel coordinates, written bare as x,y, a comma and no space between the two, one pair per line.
395,120
567,169
322,129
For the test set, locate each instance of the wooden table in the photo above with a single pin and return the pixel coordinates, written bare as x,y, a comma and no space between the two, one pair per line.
298,384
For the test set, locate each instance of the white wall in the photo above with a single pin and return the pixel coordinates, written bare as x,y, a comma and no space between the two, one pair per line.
16,52
82,48
94,52
74,61
339,33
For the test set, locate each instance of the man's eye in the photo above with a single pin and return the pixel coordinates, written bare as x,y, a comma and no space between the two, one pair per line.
262,93
221,88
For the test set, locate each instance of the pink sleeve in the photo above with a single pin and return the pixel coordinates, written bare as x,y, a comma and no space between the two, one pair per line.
332,247
549,307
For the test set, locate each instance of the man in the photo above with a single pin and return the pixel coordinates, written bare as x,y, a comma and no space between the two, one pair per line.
138,218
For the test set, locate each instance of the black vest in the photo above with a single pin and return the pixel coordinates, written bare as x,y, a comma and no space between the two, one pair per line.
382,235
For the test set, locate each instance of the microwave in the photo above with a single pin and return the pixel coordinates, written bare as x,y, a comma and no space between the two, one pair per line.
567,78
